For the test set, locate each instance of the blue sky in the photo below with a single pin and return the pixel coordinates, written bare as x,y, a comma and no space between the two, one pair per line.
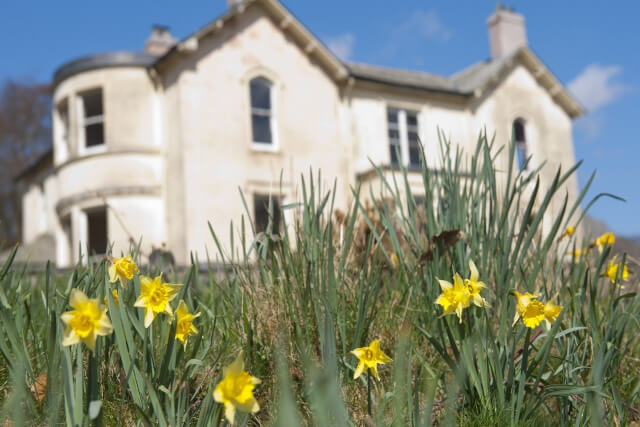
592,48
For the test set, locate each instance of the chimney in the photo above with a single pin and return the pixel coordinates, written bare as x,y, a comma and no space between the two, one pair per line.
160,41
506,32
234,3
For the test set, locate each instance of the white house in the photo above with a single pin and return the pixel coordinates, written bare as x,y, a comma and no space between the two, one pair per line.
155,144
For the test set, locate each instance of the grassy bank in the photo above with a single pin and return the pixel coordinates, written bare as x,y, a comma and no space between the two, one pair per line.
296,304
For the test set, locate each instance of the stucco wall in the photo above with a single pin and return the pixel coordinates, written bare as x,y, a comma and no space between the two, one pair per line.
548,128
128,107
214,134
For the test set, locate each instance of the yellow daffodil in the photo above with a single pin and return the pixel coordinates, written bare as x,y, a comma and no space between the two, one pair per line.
474,286
522,303
184,325
394,260
607,239
454,298
612,271
235,391
122,269
551,313
114,292
85,322
568,232
577,254
155,296
369,358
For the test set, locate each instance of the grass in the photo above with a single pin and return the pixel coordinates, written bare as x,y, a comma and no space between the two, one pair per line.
297,302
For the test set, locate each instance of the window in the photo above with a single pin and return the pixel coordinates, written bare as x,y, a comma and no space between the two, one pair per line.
262,120
404,139
261,212
520,141
97,231
91,118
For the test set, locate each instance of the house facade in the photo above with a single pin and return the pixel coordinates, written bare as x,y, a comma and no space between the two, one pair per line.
151,146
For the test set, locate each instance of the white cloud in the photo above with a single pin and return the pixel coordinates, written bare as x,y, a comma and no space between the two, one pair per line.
428,25
595,86
420,25
342,45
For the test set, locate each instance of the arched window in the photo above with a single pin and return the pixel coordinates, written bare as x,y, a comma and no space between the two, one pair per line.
262,115
520,140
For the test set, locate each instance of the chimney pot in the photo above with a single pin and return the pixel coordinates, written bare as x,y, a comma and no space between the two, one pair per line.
160,40
507,32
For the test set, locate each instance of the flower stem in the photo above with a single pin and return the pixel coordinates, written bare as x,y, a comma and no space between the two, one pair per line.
369,392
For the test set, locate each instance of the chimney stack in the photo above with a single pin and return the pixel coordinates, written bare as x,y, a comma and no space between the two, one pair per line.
506,32
160,41
233,3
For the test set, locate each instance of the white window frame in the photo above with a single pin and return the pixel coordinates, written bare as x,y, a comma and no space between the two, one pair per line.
274,146
83,122
403,131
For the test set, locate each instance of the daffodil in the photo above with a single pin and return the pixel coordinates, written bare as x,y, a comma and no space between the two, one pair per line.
551,313
522,303
577,254
85,322
155,296
607,239
612,271
454,298
568,232
369,358
114,292
474,286
235,391
184,325
122,269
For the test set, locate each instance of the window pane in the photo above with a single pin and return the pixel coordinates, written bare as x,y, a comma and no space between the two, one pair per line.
521,152
394,134
261,129
392,115
260,94
394,149
261,213
518,131
414,156
412,118
92,103
94,134
97,231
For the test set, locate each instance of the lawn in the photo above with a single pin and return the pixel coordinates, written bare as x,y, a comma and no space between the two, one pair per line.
456,309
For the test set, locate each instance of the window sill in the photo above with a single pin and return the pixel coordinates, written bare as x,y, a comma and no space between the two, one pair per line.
96,149
265,148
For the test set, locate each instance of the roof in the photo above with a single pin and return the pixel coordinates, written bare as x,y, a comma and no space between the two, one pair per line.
472,81
480,76
404,78
43,161
103,60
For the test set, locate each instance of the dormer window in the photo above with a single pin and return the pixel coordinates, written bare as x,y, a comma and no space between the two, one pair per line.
520,140
91,115
404,140
262,114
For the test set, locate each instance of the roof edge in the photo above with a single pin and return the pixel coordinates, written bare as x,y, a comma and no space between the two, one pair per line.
102,60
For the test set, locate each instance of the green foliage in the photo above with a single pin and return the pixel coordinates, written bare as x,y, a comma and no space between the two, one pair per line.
297,301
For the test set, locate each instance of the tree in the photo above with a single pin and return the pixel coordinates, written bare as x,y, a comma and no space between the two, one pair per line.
25,135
